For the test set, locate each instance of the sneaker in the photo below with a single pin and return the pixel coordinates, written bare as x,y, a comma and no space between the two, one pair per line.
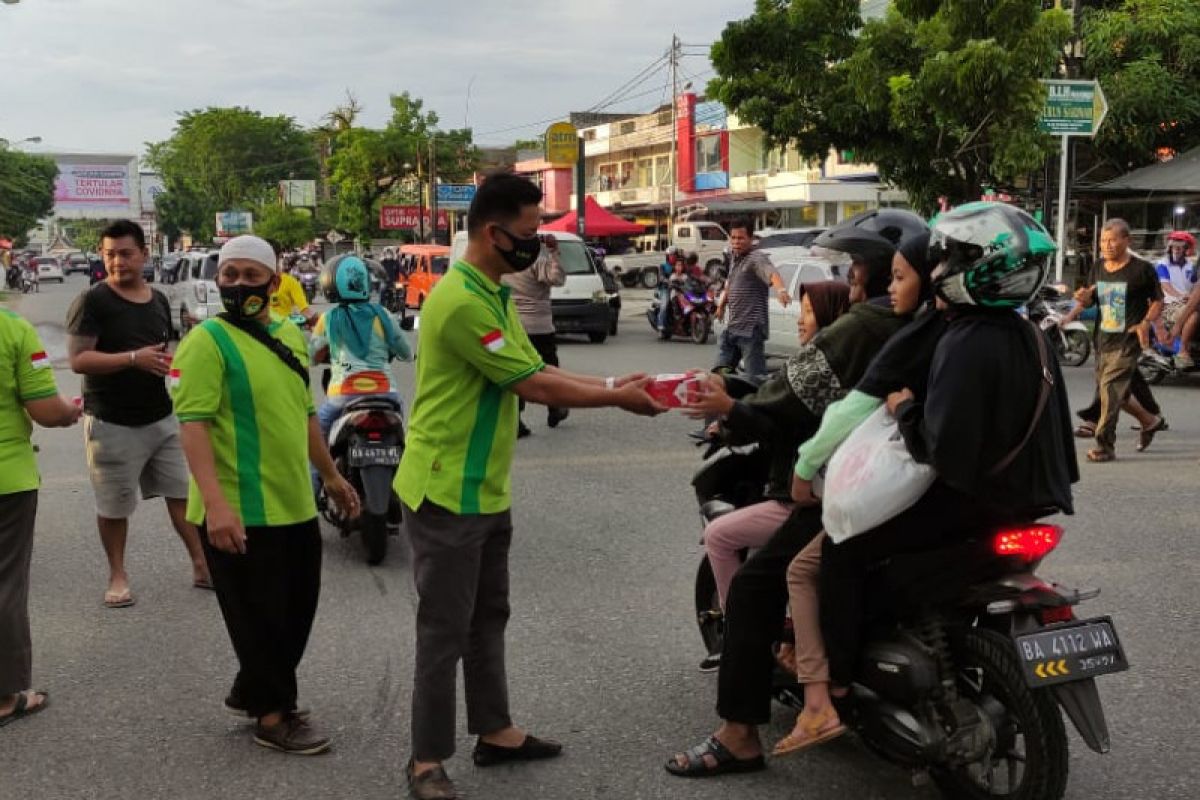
294,735
711,663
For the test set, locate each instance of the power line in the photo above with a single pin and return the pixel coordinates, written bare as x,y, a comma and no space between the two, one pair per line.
625,87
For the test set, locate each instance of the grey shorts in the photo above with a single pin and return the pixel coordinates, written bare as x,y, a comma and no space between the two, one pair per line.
123,459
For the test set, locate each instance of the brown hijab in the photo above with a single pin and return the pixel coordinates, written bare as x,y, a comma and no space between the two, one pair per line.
830,299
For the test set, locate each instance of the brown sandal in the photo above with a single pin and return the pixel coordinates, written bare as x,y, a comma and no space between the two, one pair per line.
810,732
1147,434
1100,456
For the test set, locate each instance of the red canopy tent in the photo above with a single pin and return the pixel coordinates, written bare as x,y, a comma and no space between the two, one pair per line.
598,221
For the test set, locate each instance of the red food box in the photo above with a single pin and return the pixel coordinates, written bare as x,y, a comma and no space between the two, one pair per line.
675,390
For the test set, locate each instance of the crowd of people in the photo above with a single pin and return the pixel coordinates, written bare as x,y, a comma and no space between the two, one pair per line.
227,432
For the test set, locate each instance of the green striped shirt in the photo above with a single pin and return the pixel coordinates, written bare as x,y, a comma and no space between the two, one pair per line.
257,411
463,427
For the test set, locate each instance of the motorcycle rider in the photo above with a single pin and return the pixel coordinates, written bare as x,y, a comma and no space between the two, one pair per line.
1177,274
757,597
357,337
672,262
980,406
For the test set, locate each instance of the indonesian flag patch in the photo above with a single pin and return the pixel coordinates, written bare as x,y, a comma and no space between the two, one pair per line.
173,379
493,341
40,360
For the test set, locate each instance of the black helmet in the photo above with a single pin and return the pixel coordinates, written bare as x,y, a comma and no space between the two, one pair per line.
346,279
992,255
874,236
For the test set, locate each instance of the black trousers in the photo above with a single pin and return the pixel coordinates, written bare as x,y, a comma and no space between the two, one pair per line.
18,511
547,348
268,597
941,515
1137,387
754,613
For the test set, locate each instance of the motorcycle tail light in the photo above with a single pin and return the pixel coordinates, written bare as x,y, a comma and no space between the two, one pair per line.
373,422
1031,543
1057,614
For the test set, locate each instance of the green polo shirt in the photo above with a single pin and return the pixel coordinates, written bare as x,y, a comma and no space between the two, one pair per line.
257,411
463,426
25,375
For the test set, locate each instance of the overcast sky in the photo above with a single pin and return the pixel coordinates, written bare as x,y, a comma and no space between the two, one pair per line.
109,75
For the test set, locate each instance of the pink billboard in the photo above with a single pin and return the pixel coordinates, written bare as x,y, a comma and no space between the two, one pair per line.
92,184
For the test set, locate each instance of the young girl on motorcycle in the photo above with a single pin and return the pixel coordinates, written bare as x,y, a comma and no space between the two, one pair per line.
358,338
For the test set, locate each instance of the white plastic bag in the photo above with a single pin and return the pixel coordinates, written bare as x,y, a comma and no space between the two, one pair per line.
871,478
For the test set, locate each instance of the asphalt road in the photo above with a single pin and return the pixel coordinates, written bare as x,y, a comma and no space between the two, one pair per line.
602,649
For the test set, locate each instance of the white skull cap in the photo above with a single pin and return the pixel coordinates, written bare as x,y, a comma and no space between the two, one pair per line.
251,248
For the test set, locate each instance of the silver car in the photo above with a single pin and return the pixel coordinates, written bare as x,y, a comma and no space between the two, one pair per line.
194,296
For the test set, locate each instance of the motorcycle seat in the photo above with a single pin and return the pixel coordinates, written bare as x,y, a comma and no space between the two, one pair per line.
714,509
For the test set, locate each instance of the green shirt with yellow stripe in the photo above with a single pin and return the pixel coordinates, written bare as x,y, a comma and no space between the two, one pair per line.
463,428
257,411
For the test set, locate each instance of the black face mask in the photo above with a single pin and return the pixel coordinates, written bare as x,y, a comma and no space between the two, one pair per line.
524,253
245,302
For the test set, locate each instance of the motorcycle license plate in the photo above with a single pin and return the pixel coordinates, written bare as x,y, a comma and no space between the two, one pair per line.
1071,651
374,456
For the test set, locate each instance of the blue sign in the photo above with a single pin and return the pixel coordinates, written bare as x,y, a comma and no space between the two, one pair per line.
706,181
455,195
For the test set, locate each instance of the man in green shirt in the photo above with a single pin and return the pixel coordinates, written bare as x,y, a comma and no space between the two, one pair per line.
246,419
27,391
475,360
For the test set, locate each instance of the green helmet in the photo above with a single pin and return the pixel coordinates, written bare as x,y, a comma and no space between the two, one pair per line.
991,254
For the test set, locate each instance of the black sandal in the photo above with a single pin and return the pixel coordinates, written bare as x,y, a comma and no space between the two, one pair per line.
1147,434
21,708
724,762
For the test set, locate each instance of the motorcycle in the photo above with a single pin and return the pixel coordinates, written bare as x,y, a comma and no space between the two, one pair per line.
29,281
969,654
1072,340
392,298
309,280
1163,362
691,313
366,443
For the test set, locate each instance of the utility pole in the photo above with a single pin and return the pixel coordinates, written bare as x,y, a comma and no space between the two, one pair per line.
433,199
675,47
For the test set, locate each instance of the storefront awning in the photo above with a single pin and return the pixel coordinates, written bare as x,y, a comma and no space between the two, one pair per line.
1180,175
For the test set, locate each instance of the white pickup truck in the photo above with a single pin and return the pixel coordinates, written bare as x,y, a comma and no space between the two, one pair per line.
707,239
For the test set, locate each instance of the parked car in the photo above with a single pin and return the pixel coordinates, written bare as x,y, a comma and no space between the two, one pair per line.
195,296
583,304
168,268
49,269
706,239
76,262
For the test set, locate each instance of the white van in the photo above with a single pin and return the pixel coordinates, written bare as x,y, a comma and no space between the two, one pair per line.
583,304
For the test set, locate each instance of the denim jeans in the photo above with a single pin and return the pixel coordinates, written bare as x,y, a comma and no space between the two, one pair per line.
329,412
746,350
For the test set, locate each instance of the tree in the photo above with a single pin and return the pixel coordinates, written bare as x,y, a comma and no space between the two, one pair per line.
369,165
85,233
944,97
288,227
1146,55
27,193
223,159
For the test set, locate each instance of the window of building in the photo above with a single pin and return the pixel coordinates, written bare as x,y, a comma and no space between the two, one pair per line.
628,127
645,172
662,170
708,154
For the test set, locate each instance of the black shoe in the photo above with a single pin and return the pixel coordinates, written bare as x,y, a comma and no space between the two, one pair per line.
532,749
556,416
522,430
711,663
432,785
294,735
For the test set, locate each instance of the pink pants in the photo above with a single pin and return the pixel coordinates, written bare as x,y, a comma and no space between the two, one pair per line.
751,526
